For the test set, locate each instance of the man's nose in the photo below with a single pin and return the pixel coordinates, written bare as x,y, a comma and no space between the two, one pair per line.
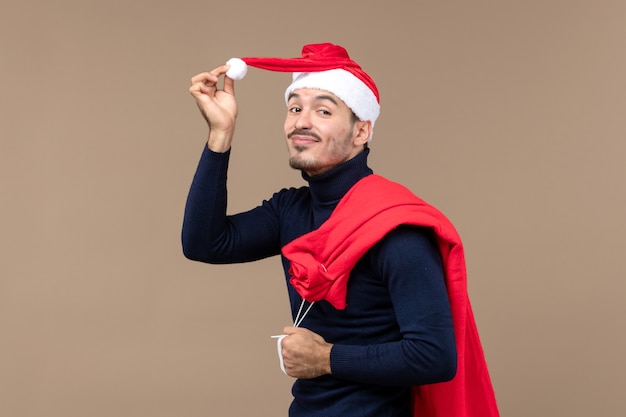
304,120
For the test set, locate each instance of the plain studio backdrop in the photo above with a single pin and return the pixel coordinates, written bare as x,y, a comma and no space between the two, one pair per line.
506,115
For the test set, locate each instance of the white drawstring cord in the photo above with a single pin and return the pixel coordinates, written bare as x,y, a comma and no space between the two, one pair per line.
299,319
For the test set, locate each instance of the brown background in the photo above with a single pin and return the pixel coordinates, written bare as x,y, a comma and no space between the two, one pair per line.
508,116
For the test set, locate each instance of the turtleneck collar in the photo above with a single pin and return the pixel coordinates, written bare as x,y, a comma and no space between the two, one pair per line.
332,185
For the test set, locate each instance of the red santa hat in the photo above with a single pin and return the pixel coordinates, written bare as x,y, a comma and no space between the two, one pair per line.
324,66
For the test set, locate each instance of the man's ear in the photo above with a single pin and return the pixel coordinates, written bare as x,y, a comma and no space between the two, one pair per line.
363,130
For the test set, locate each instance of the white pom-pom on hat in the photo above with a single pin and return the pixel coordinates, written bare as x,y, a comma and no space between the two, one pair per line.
238,69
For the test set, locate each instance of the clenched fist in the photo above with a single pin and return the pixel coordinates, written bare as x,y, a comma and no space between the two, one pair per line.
305,354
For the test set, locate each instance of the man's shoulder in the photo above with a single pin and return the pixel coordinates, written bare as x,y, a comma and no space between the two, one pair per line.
291,192
290,196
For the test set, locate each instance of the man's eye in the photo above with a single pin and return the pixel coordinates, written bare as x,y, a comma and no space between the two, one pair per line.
325,112
294,109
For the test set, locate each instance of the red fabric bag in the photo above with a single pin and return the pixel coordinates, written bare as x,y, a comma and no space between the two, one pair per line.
321,262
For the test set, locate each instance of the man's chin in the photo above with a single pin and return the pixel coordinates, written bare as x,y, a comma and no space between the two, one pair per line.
296,162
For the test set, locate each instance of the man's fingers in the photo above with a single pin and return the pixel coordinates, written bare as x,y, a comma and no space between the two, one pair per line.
206,82
204,78
209,77
198,89
221,70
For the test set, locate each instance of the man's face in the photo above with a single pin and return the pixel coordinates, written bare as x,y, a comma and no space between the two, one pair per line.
321,132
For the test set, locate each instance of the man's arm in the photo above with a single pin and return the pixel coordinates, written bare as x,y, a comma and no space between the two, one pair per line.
410,262
208,234
211,236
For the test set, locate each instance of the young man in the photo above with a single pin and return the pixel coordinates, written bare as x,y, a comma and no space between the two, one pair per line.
368,265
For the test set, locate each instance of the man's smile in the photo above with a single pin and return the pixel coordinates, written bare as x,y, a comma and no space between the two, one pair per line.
303,137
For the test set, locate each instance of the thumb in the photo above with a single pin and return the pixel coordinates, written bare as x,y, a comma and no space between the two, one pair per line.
229,86
287,330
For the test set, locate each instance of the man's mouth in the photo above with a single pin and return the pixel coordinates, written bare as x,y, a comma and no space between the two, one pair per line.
303,137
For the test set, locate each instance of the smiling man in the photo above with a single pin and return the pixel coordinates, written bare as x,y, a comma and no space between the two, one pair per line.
375,276
321,131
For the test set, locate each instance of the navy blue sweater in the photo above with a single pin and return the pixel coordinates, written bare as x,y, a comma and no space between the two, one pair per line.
396,331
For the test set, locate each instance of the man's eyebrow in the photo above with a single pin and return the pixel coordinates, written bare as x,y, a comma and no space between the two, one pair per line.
326,97
317,98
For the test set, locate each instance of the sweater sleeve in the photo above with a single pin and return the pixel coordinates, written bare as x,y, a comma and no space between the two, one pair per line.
209,234
410,264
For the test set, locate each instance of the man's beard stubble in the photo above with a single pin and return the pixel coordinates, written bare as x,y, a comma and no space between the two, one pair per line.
296,162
